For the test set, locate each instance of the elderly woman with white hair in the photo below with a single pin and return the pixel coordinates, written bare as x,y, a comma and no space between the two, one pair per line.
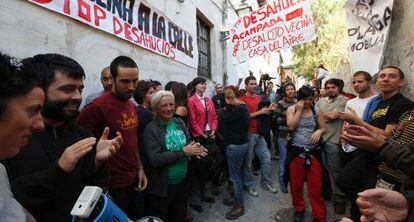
167,147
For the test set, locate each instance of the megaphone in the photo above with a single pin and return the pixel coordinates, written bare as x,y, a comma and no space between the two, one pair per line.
95,205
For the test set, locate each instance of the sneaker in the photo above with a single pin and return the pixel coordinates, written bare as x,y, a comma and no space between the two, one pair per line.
299,216
236,211
252,192
229,201
270,188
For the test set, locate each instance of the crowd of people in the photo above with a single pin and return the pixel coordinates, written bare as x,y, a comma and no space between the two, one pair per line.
160,151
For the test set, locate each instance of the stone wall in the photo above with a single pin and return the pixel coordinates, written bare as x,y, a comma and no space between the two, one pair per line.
400,48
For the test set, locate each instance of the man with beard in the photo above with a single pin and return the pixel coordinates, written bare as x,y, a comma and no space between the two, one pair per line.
330,107
106,80
50,173
115,109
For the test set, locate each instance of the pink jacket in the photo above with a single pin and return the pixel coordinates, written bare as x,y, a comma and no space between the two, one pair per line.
197,116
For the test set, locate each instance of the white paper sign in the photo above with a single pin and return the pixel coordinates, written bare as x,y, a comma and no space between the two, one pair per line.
369,22
276,25
138,23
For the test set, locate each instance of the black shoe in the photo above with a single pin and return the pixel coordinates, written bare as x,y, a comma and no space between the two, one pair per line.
256,172
197,208
299,216
208,199
229,201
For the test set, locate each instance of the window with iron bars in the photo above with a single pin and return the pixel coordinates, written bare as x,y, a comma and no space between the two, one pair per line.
203,42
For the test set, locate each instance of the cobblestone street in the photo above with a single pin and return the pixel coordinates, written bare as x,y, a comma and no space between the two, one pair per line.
261,208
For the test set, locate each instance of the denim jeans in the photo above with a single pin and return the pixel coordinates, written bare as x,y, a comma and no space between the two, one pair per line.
282,158
258,146
237,162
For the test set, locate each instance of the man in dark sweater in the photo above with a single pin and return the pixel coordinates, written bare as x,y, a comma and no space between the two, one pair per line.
218,99
52,170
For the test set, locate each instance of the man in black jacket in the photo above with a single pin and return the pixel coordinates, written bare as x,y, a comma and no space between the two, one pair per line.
218,99
50,173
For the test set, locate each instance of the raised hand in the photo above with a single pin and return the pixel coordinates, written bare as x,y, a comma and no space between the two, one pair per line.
72,154
299,106
361,137
106,148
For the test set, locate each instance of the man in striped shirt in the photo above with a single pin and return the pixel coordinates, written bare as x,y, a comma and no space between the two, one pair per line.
282,129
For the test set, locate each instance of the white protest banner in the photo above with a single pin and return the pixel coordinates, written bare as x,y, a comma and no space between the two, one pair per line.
134,21
276,25
369,22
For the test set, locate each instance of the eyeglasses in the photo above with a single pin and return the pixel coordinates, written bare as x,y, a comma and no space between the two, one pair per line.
229,97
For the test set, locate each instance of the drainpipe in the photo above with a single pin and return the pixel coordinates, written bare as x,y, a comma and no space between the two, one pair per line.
224,43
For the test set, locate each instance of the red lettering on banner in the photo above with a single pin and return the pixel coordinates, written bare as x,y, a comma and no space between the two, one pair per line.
170,48
134,31
246,21
298,25
99,14
127,31
84,14
133,34
117,26
66,7
42,1
270,10
295,14
258,51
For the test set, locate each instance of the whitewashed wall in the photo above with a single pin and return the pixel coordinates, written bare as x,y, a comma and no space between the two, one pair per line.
27,29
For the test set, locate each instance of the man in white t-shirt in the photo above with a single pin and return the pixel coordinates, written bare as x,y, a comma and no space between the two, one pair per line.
361,82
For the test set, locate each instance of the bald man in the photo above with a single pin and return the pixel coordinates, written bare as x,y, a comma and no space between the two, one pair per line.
106,80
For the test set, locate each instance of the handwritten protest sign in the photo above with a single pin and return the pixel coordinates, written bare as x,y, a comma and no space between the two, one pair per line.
134,21
276,25
369,22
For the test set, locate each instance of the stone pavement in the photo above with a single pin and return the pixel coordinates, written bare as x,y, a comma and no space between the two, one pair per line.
261,208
